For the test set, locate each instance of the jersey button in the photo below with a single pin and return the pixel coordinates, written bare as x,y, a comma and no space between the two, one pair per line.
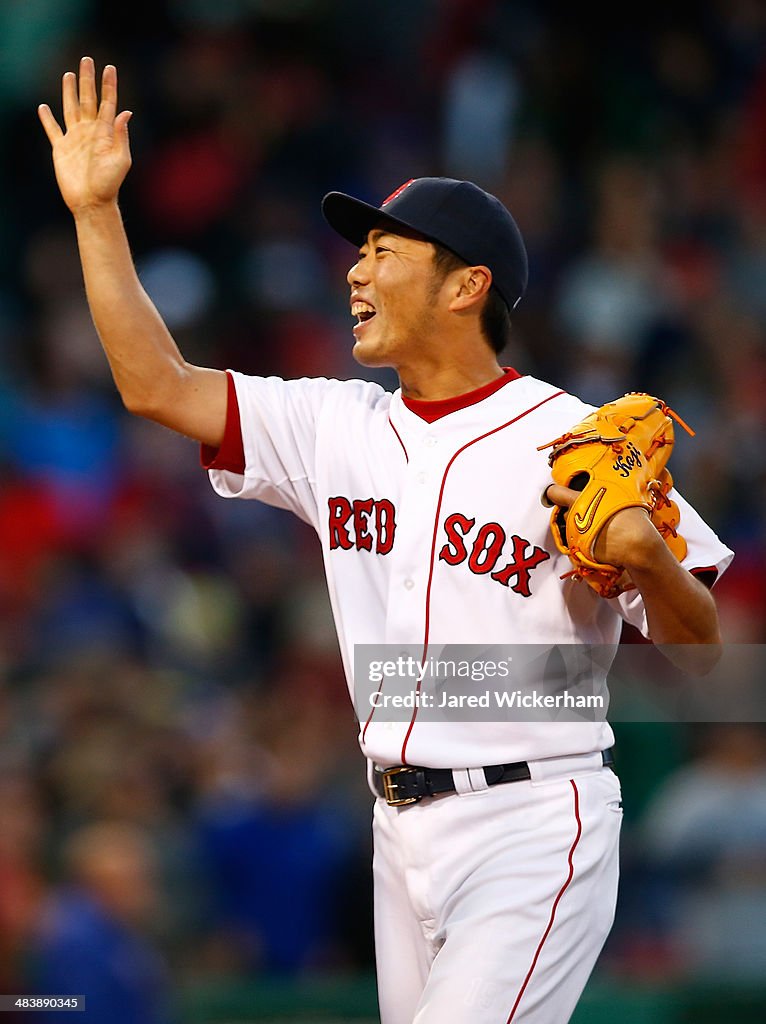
430,441
421,478
409,584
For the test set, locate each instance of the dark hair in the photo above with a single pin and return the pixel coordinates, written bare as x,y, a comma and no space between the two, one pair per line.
495,321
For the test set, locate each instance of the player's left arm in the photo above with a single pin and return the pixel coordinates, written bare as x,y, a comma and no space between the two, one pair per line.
681,613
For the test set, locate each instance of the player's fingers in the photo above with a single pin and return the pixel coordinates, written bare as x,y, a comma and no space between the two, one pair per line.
121,130
69,99
49,123
88,102
108,108
557,494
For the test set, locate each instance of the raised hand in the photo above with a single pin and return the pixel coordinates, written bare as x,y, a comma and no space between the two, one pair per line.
92,157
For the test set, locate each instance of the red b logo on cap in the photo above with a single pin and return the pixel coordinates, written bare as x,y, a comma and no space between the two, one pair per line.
398,192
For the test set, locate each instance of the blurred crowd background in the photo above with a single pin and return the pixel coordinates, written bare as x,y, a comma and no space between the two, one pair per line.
181,793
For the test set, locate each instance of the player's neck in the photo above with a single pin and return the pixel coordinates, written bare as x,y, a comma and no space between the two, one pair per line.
432,383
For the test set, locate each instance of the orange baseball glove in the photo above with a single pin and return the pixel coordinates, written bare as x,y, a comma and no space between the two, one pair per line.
616,458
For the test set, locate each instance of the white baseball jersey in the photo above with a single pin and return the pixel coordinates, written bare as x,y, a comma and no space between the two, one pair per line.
434,533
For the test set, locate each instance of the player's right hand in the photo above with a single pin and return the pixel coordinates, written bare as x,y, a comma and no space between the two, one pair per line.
92,157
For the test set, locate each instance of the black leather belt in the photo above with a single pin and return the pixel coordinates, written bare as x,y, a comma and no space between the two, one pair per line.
407,784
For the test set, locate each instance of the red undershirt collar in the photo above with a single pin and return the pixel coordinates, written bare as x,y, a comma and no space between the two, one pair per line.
430,411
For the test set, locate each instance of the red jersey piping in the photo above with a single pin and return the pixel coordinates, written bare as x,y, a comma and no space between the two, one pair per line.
468,444
556,902
399,439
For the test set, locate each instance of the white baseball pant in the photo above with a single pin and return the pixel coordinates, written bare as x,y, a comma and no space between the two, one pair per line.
492,905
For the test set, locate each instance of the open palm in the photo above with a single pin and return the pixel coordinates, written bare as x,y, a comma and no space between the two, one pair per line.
92,156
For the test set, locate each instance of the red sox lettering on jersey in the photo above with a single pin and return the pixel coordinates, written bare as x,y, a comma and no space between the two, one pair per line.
433,532
350,524
370,524
486,552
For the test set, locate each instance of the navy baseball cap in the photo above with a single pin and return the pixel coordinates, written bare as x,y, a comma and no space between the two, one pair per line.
457,214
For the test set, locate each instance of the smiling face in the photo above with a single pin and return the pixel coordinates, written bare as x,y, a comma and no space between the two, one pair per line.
396,298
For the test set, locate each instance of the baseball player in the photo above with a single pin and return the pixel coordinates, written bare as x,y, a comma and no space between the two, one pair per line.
496,843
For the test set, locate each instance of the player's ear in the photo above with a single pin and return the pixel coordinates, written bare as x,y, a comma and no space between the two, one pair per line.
472,284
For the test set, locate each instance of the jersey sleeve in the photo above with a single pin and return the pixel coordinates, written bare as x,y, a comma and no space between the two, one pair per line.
706,556
231,453
278,423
